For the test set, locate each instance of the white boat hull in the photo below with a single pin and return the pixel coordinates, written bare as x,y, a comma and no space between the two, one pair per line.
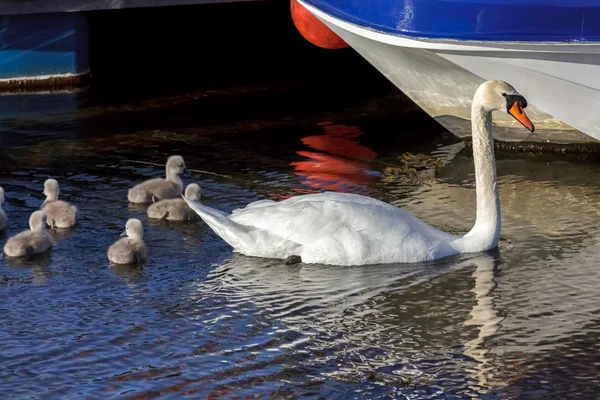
561,82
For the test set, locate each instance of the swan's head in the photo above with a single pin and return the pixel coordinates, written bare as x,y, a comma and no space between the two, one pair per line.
192,192
51,189
176,165
133,229
499,95
37,220
1,195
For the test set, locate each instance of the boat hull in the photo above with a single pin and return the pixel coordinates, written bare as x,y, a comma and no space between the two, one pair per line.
561,81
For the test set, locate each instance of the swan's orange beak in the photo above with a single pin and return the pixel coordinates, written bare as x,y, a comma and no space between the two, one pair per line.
517,111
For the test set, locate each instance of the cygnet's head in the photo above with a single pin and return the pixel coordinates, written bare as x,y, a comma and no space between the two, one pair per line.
1,195
499,95
37,220
51,189
134,229
176,165
192,192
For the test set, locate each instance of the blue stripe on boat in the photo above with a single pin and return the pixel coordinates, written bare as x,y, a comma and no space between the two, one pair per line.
495,20
43,44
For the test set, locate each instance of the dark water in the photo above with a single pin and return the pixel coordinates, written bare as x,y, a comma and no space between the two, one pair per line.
199,322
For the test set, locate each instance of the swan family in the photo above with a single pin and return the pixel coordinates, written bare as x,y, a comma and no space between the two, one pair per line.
323,228
350,229
165,194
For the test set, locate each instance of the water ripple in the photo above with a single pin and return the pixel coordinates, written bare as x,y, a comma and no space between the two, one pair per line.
200,322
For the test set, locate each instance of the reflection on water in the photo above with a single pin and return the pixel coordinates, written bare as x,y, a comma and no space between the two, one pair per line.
197,321
339,163
38,263
485,317
354,318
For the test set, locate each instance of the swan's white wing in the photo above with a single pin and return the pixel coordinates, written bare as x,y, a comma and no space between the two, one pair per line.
344,228
255,204
305,218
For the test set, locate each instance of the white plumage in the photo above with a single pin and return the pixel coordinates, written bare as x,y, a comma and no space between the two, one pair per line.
350,229
328,228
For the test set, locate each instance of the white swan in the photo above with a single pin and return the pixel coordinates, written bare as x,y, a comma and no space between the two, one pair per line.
349,229
3,217
33,241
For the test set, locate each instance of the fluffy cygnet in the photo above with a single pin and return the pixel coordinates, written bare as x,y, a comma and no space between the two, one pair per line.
3,217
132,248
60,214
34,241
160,188
176,209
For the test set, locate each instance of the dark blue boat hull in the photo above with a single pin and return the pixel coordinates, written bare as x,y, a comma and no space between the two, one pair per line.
478,20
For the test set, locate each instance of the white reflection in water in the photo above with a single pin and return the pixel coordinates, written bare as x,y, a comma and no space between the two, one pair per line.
383,318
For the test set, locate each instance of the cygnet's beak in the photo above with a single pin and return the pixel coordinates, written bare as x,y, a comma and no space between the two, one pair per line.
123,234
43,204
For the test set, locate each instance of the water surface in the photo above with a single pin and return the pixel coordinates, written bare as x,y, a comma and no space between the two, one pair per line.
197,321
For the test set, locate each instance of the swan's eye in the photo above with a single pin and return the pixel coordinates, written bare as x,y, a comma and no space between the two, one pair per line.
503,94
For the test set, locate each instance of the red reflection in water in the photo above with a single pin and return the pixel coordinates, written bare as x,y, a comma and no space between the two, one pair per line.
341,164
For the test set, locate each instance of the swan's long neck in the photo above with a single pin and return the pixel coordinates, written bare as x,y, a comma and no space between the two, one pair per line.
486,232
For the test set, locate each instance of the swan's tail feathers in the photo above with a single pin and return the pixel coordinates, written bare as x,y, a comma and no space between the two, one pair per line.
201,208
236,235
247,240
